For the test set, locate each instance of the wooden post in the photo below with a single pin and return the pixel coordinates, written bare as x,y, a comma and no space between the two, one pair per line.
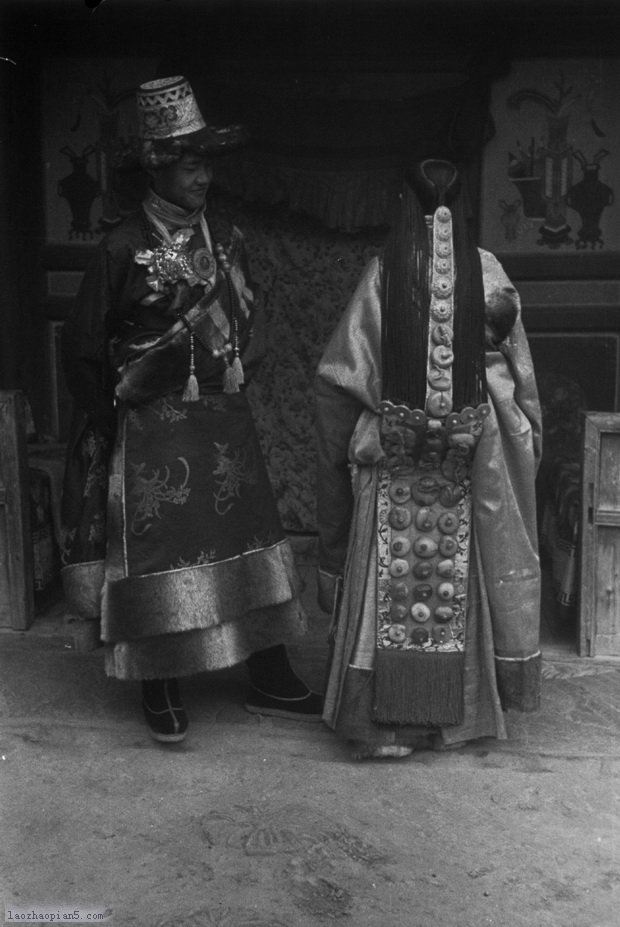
16,561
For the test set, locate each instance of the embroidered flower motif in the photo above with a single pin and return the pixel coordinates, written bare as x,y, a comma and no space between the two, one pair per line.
203,558
152,491
259,543
233,470
96,530
165,411
215,402
97,476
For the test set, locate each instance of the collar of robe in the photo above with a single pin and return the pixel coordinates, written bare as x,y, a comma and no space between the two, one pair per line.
171,215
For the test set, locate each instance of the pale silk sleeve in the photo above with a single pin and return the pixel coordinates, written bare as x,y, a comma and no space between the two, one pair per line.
348,381
515,349
504,507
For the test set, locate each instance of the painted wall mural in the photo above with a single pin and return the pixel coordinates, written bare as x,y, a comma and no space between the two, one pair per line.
551,172
89,133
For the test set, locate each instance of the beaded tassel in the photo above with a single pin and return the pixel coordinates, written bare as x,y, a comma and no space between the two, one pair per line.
233,374
237,366
191,393
231,384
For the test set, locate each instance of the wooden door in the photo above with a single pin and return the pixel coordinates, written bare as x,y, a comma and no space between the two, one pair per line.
600,537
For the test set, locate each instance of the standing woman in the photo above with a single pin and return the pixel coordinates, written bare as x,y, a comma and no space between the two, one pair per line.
429,440
173,536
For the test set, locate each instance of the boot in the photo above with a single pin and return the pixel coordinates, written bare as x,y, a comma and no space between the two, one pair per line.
163,710
277,691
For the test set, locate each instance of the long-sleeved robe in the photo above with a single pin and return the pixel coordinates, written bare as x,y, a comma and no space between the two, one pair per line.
173,536
502,659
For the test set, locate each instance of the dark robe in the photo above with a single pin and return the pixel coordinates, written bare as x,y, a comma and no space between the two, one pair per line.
173,536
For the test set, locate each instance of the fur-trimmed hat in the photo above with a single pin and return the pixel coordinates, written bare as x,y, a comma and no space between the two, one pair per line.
170,124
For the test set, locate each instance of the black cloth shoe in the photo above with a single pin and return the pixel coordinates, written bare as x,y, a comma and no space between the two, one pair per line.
308,707
277,689
163,710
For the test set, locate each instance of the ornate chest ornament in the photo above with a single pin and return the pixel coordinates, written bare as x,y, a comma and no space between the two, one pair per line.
173,262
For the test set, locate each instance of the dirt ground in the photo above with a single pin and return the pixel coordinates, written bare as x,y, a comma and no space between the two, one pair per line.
268,823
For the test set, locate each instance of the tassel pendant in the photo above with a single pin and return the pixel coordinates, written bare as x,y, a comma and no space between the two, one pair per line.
191,393
231,381
237,366
233,375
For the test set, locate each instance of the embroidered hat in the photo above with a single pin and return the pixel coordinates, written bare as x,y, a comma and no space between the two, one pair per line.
167,108
170,122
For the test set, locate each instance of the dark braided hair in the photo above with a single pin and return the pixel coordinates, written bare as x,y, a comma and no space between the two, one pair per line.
405,303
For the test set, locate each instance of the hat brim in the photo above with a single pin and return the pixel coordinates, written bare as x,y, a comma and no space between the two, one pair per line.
213,139
208,140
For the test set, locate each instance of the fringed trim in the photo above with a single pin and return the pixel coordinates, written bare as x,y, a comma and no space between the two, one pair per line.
519,682
418,688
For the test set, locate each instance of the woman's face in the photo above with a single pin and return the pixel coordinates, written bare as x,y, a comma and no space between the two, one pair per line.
184,183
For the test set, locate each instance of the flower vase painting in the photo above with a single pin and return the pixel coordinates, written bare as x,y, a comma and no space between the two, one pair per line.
90,145
550,170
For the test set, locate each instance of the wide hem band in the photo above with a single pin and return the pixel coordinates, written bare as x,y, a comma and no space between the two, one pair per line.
199,597
200,650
